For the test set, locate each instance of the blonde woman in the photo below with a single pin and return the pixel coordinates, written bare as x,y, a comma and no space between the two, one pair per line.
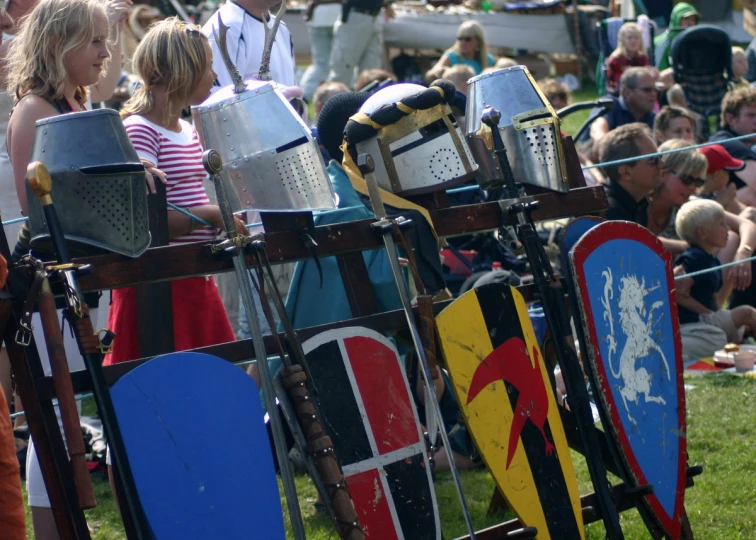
470,49
683,174
630,52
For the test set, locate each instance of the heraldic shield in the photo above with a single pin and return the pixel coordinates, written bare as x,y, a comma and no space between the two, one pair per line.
368,413
190,486
625,286
502,385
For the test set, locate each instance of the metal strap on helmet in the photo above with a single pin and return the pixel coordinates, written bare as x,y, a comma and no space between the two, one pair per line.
362,126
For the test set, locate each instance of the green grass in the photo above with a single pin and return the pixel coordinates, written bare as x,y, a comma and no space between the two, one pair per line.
721,437
572,123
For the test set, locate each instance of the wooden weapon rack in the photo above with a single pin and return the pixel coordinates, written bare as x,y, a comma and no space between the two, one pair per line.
152,272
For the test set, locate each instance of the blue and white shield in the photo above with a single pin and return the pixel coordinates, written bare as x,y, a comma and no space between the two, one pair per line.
623,277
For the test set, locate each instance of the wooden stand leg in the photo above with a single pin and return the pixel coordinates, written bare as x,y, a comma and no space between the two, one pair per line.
498,503
45,432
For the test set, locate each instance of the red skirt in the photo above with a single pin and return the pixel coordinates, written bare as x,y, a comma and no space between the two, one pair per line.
199,319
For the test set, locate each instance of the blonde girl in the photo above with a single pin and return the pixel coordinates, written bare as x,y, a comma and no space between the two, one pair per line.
630,51
58,57
470,49
174,60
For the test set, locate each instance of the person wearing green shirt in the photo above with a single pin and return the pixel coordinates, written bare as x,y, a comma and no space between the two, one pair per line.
683,16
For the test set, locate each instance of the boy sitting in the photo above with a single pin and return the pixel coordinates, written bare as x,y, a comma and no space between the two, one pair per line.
702,224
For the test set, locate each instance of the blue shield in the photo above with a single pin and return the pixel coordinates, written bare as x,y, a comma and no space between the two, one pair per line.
623,277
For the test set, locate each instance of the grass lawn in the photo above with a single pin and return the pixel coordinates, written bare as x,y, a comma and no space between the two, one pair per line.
721,437
572,123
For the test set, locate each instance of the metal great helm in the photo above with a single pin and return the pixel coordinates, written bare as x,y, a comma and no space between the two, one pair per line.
271,162
413,137
98,184
529,127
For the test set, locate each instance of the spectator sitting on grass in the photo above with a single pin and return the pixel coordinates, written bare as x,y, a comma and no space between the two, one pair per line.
628,185
469,48
674,122
459,75
718,186
635,104
370,76
739,68
703,225
739,119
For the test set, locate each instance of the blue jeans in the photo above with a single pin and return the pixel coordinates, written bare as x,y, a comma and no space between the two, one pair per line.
321,38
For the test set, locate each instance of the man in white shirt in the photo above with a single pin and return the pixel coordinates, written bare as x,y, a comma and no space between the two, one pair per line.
246,39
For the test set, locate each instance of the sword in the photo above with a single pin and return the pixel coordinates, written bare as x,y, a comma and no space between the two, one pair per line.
293,377
235,246
92,351
555,309
386,227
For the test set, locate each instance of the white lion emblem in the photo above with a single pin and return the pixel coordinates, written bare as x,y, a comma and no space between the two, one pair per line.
637,324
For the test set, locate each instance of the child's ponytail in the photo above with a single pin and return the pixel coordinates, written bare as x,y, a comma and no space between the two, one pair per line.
141,102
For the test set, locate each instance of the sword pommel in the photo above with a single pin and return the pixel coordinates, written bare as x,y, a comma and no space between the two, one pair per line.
491,117
365,163
212,161
39,179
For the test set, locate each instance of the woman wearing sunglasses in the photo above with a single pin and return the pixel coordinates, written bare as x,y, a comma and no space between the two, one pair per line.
469,49
683,174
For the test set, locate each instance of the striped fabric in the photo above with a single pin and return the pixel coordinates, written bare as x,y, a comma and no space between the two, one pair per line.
179,156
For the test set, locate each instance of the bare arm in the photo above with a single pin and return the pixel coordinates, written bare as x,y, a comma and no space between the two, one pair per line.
180,224
103,89
748,174
438,70
692,304
675,247
21,138
747,231
599,128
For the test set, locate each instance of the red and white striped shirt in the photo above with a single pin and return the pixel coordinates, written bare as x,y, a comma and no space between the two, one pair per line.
179,156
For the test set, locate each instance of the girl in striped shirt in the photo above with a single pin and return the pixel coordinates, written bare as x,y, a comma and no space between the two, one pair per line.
175,62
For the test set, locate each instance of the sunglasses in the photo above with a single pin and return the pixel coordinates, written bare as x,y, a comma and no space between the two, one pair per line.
464,38
653,161
689,180
646,89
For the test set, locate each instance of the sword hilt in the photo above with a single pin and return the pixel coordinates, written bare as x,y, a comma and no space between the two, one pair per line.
39,179
212,161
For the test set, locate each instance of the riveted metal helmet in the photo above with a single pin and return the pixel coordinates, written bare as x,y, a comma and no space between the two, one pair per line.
271,161
98,184
529,127
413,137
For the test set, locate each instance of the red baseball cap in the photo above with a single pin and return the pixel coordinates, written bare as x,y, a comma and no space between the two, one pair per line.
719,159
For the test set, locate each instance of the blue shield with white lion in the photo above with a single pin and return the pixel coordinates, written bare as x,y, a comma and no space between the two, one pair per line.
623,277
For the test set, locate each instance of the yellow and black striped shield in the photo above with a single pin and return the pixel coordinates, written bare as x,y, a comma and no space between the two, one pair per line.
503,389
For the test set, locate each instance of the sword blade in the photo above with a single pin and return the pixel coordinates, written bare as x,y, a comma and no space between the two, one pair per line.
401,285
266,379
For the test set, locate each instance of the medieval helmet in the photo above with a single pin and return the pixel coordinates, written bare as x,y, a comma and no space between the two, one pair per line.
271,161
98,184
529,127
413,137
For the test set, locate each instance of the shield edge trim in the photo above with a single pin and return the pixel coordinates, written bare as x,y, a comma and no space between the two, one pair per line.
583,248
339,335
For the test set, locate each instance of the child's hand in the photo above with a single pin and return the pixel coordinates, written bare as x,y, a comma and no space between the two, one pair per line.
241,228
117,10
682,286
150,173
727,195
